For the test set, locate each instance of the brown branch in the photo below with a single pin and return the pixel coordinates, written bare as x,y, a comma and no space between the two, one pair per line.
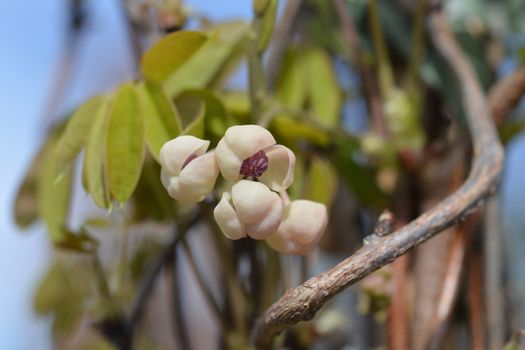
355,52
506,94
302,303
281,38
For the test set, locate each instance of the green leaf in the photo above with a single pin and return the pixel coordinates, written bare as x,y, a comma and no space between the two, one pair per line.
360,178
75,135
162,121
237,104
322,181
163,58
203,114
150,199
62,292
94,175
265,23
295,130
53,196
124,143
80,242
191,109
26,202
324,93
206,63
291,89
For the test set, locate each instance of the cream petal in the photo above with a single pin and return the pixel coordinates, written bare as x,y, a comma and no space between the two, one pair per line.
197,179
252,200
269,224
227,218
246,140
301,229
229,163
165,178
174,153
281,164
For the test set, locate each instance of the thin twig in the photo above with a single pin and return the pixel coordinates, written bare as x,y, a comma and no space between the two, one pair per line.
506,94
494,290
370,86
451,283
303,302
208,295
280,39
180,332
151,276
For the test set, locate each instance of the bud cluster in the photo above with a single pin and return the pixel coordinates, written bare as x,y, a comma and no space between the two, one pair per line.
257,205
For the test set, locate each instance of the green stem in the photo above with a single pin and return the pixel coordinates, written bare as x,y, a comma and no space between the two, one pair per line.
123,264
257,88
102,282
418,41
386,75
235,295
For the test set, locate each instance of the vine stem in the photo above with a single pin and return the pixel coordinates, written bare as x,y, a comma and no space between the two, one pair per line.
302,303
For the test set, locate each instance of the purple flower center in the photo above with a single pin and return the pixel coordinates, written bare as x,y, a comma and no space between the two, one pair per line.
255,165
189,159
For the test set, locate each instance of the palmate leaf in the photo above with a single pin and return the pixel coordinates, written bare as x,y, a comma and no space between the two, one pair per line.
26,202
162,120
94,174
76,133
308,79
202,114
206,63
323,90
124,144
265,12
163,58
53,196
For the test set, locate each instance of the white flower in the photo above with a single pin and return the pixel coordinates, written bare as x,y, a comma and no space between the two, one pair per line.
187,173
250,210
302,226
249,151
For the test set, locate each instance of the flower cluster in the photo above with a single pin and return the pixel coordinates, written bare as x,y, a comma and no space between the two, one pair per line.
257,205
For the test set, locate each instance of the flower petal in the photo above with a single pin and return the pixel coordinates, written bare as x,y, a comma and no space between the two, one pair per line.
301,229
252,201
197,179
229,163
269,224
246,140
281,163
227,218
174,153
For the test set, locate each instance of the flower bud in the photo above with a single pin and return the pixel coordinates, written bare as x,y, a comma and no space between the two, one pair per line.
249,151
303,224
250,210
187,173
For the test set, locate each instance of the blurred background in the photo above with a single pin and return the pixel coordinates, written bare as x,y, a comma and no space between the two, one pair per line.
36,37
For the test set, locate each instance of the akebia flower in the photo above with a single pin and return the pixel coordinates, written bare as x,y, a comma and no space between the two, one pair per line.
188,173
251,209
303,224
250,152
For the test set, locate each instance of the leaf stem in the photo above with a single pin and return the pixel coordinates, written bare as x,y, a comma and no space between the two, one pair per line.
102,282
386,75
